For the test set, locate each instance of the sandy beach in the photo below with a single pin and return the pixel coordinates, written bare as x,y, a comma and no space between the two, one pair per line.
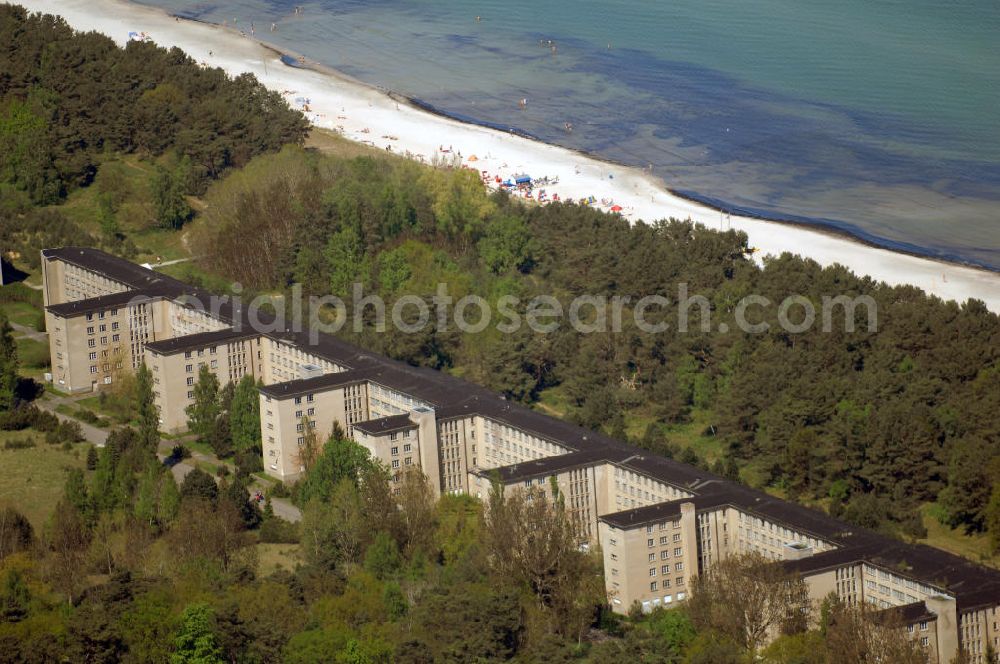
367,115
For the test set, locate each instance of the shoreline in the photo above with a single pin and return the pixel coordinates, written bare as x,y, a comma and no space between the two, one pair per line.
418,130
829,228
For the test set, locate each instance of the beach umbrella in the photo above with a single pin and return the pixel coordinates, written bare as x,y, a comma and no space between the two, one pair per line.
616,208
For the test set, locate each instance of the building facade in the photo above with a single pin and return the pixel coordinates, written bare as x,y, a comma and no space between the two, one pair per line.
656,523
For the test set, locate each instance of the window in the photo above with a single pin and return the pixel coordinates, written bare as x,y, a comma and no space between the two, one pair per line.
90,316
614,556
91,343
395,451
677,537
104,341
93,356
298,400
101,315
680,596
116,338
652,586
408,461
190,380
924,641
298,414
678,551
664,555
93,368
299,427
665,570
678,567
652,557
114,326
103,328
613,542
909,628
190,394
187,355
407,447
395,463
311,411
667,599
679,581
215,364
923,625
90,330
392,436
649,542
310,398
188,368
663,540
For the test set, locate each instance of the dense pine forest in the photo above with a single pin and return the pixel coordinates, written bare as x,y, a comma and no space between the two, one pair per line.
870,424
141,151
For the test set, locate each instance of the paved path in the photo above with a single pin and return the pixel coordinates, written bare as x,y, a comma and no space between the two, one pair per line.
93,434
283,508
29,332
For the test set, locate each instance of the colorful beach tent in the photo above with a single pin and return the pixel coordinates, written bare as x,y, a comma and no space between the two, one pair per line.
522,179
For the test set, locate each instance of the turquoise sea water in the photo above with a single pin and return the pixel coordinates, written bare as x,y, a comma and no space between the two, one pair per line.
880,118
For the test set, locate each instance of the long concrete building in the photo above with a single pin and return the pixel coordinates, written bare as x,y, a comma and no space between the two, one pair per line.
658,523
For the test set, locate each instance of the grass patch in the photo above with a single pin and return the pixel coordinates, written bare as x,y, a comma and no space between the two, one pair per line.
330,142
84,415
274,557
553,401
22,313
697,435
32,354
34,478
954,540
126,179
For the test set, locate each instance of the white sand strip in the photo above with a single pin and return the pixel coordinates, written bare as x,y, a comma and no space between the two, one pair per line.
365,114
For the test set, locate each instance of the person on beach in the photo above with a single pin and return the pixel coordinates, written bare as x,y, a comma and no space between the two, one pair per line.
274,27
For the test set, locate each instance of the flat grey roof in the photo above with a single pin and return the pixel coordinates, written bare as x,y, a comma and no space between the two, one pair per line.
94,305
384,425
195,341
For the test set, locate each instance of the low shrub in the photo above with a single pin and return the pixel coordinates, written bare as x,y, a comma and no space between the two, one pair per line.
19,444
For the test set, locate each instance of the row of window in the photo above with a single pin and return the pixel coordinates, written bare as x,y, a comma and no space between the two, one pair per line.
103,328
100,314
